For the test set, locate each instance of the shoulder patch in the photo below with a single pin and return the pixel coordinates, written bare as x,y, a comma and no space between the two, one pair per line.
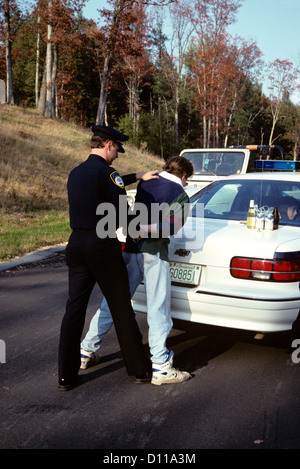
117,180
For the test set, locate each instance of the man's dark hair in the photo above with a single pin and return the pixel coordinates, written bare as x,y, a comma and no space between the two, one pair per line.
179,166
98,142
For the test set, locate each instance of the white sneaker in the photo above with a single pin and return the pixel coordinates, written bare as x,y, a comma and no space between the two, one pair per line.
167,374
88,359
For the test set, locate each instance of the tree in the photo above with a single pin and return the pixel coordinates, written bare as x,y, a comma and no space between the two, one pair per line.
284,80
244,61
158,91
58,16
200,87
24,60
37,64
173,63
116,34
135,65
209,60
49,82
8,39
249,116
291,130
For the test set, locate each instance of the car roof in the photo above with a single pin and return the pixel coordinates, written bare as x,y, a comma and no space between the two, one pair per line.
276,176
212,150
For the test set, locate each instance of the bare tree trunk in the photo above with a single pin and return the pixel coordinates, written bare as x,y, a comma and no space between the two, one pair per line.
209,132
103,91
274,122
230,119
53,81
205,126
295,149
104,80
160,128
176,116
133,101
42,99
49,89
9,76
37,66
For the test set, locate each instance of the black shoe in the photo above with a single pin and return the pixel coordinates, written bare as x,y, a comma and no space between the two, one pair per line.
142,378
64,385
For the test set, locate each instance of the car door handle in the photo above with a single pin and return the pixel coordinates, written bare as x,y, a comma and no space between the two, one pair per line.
182,252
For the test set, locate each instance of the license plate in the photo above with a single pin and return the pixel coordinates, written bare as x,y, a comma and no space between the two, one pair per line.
185,273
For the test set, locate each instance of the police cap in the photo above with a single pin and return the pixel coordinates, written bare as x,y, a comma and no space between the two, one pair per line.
110,133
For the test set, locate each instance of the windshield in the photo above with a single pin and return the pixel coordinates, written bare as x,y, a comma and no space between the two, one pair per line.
229,200
217,163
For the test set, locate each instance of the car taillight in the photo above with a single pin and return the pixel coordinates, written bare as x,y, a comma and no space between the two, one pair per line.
265,269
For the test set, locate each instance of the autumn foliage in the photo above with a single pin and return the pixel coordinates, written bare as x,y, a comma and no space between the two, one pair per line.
186,85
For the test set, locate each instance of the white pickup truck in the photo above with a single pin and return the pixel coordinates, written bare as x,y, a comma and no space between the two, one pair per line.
211,164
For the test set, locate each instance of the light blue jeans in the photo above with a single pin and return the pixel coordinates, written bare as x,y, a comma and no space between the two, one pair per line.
156,275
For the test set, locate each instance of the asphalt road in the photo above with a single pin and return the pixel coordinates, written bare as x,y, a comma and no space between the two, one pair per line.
244,393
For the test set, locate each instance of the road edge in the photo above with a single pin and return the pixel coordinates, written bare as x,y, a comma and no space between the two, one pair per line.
35,256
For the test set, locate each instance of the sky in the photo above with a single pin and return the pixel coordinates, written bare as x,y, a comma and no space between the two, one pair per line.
272,24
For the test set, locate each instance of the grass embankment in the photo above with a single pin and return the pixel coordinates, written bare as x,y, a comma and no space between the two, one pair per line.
36,156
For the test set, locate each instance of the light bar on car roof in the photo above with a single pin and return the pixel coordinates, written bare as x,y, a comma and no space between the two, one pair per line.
276,165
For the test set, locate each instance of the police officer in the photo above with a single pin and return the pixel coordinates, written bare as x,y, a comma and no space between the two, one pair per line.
91,259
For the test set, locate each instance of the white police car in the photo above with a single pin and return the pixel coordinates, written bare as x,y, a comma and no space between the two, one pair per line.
224,273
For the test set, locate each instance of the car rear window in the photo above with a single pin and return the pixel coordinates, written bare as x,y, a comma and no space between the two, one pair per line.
216,163
229,200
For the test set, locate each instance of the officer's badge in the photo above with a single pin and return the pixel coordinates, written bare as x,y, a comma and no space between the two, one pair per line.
117,180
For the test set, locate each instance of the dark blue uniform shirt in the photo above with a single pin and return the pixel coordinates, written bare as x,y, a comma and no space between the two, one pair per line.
90,184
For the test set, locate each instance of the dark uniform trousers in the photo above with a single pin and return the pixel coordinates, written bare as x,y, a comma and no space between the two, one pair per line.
92,260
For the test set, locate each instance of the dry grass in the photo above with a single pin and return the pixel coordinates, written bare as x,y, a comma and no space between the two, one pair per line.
36,156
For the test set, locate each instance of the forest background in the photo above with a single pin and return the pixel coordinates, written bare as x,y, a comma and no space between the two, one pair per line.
197,87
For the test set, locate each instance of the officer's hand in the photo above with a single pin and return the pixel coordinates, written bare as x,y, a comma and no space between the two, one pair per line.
147,175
